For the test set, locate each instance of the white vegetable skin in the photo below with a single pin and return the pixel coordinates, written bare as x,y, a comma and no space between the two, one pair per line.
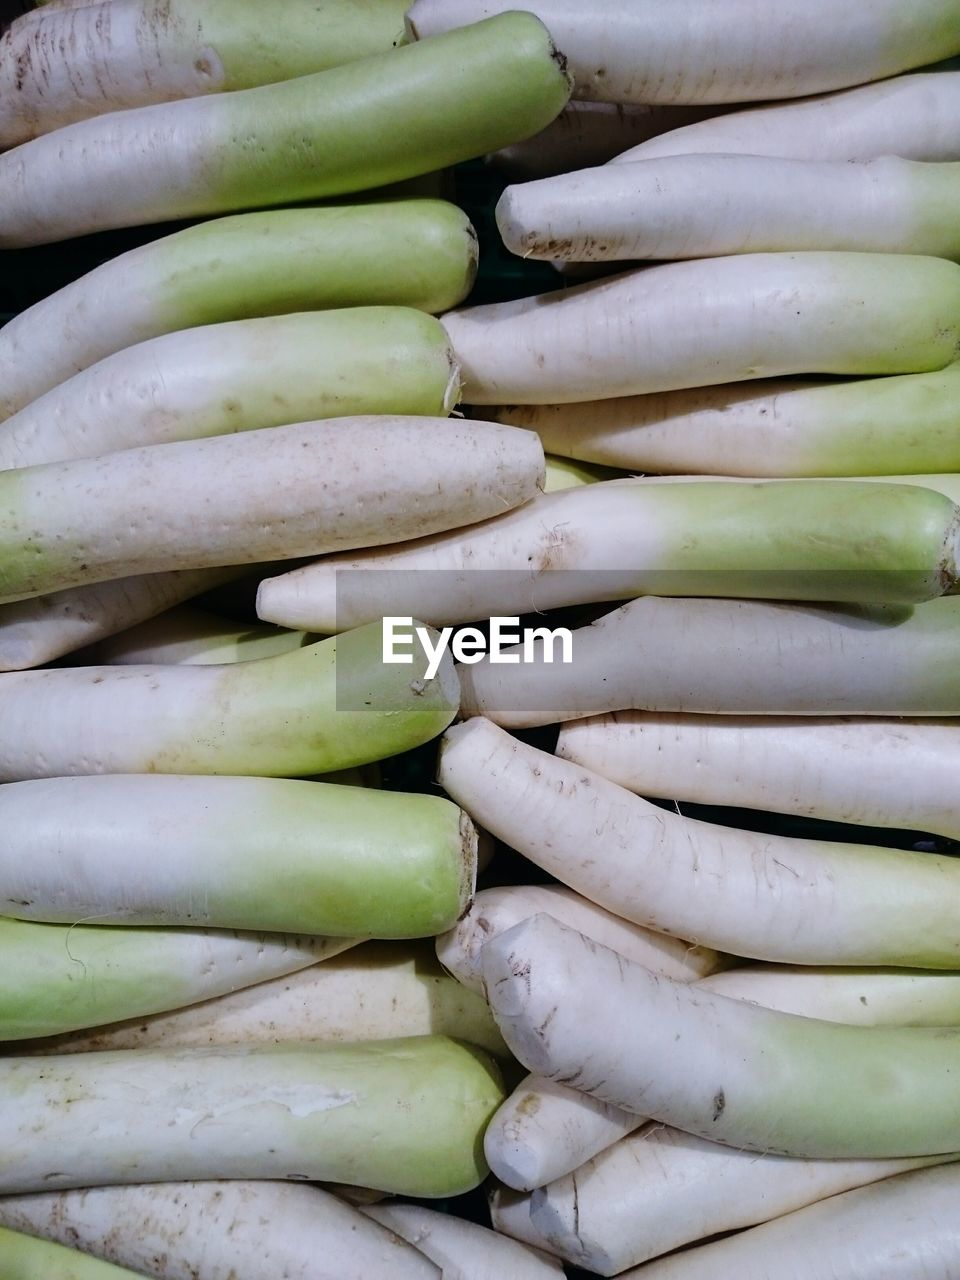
494,910
276,493
721,1069
863,997
36,631
660,1189
191,636
381,992
912,116
715,320
463,1250
801,765
762,896
779,427
403,1116
416,253
24,1256
220,1230
706,206
328,706
545,1130
689,51
624,538
901,1228
76,61
510,1215
243,375
736,657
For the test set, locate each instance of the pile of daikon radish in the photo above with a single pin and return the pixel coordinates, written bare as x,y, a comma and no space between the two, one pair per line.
230,959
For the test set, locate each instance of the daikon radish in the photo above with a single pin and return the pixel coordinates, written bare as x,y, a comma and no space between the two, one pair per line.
25,1257
192,636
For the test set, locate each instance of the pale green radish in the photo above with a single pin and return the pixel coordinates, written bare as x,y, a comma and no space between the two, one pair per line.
412,253
380,992
792,540
736,657
844,770
76,61
193,636
237,853
705,206
781,427
912,116
768,897
463,1250
721,1069
668,51
330,705
274,493
375,121
56,978
494,910
44,628
220,1231
240,376
715,320
564,473
898,1229
25,1257
865,997
660,1189
404,1116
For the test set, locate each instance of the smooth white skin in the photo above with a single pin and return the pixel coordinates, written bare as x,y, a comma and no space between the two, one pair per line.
844,770
910,116
381,992
688,51
221,1231
705,206
900,1229
463,1250
660,1189
276,493
861,997
494,910
736,657
34,632
711,321
763,896
545,1130
510,1215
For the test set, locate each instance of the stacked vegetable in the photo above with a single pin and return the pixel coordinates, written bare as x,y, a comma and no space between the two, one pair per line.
218,974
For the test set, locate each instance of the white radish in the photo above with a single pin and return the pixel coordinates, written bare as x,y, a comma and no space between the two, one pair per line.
331,705
381,992
779,427
36,631
276,493
235,853
564,473
660,1189
510,1215
351,128
57,978
396,1115
912,116
715,320
693,51
414,253
191,636
24,1257
737,657
494,910
220,1231
463,1250
899,1229
239,376
767,897
792,540
844,770
721,1069
705,206
71,62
